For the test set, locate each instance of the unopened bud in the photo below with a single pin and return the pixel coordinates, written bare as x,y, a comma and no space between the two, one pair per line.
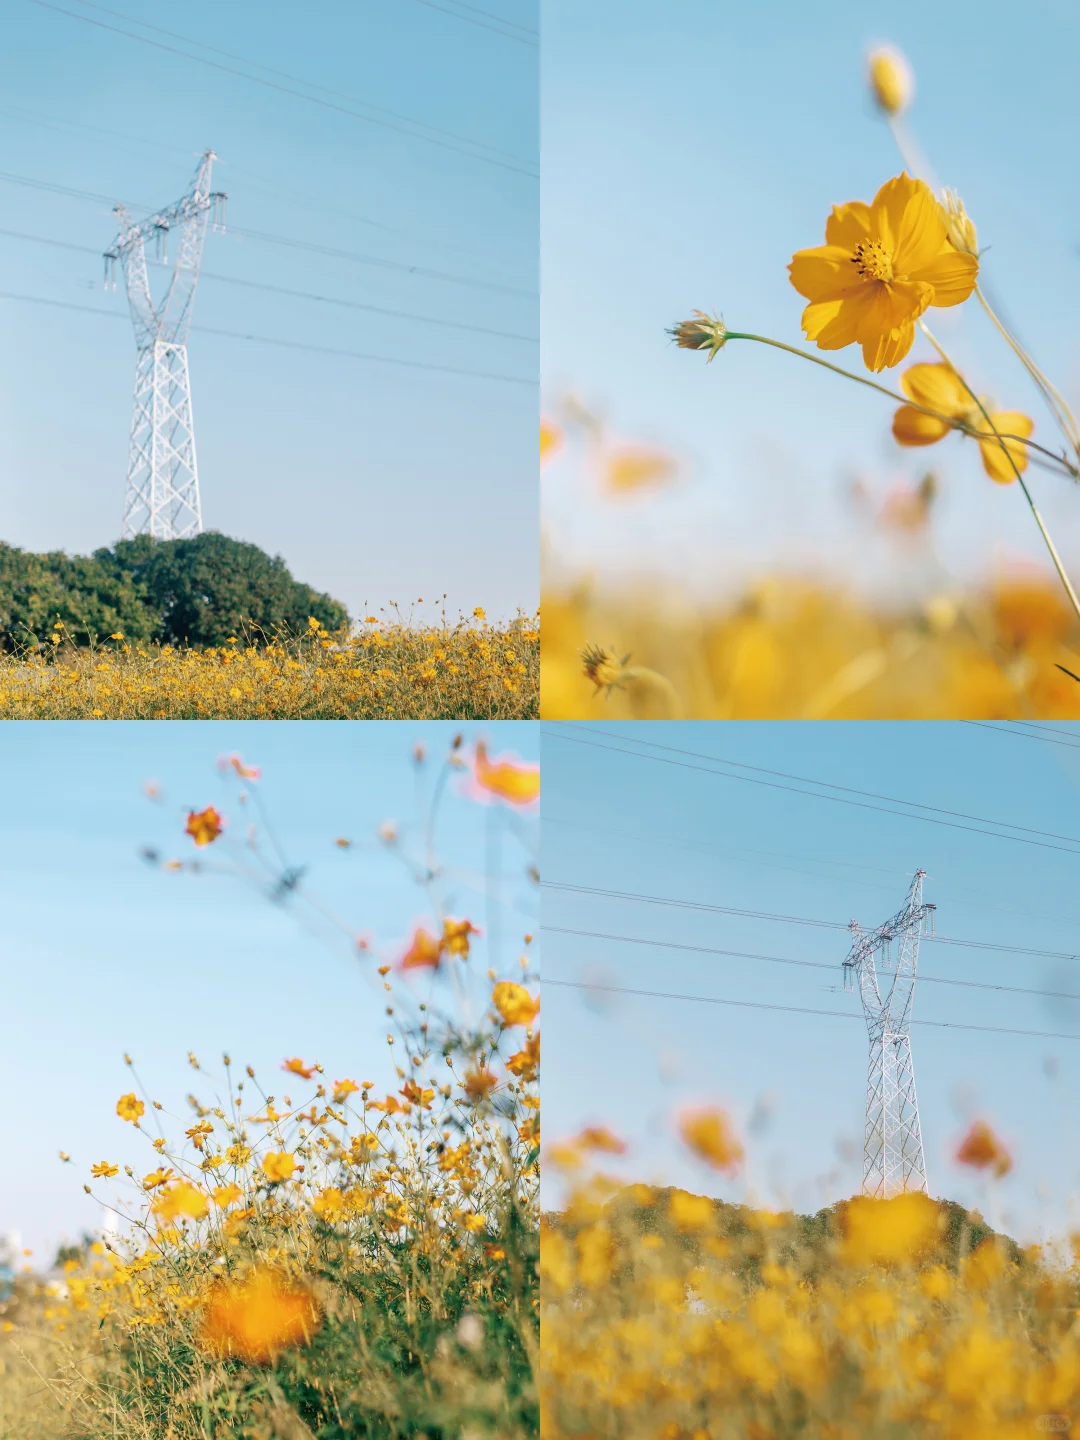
891,80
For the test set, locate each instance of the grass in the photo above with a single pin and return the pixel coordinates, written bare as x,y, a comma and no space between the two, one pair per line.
793,650
385,670
671,1316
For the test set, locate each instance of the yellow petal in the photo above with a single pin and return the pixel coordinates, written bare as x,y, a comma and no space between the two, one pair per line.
892,306
908,221
848,224
952,274
995,463
912,427
889,350
824,273
936,386
834,323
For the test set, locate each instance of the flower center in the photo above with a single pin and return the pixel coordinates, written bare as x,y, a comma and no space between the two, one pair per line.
872,260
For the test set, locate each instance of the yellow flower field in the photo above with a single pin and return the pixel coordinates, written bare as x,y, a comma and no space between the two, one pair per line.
791,650
668,1315
387,670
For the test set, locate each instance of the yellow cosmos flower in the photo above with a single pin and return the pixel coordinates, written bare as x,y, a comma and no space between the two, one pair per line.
130,1107
514,1003
938,387
278,1166
894,1231
881,266
709,1134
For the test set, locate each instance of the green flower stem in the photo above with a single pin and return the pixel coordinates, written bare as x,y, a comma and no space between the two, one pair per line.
949,420
1058,406
1059,567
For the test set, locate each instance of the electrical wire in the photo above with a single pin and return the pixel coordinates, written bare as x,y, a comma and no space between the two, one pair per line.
802,964
825,784
473,154
430,5
286,240
286,344
1022,734
796,1009
296,294
791,919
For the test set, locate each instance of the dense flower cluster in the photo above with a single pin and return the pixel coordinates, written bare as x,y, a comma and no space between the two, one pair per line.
383,670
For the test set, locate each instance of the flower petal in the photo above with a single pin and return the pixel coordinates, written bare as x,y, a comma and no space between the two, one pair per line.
908,221
848,224
995,462
832,324
824,273
937,386
912,427
889,350
891,306
952,274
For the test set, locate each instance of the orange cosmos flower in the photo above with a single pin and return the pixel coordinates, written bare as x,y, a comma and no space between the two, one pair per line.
297,1067
103,1170
181,1199
599,1137
456,936
506,778
881,266
343,1089
246,772
894,1231
514,1003
525,1063
709,1134
258,1317
938,387
424,950
982,1150
204,826
227,1195
478,1083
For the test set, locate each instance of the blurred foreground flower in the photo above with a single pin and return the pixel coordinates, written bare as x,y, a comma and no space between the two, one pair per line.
881,266
506,778
938,387
899,1230
258,1317
204,826
514,1003
982,1150
709,1134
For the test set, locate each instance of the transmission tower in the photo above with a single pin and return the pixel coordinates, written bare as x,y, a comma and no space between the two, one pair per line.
162,497
892,1141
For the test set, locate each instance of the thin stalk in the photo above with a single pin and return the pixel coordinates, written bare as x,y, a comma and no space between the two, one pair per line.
949,420
1058,565
1058,405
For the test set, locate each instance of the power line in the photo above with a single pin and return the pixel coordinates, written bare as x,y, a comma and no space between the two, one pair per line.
286,344
838,799
746,854
296,294
796,1009
286,240
802,964
517,169
430,4
297,79
1023,734
789,919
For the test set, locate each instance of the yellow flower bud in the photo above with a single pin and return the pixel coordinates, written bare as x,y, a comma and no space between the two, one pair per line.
891,80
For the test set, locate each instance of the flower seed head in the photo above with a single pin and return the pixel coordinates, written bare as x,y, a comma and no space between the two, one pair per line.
703,332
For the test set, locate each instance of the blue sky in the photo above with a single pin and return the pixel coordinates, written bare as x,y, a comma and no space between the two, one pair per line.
104,954
689,149
375,481
795,1083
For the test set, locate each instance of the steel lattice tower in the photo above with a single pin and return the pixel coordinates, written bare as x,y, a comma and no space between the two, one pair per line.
892,1141
162,496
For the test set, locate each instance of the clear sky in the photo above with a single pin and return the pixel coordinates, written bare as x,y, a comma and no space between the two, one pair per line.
795,1083
102,953
377,481
690,148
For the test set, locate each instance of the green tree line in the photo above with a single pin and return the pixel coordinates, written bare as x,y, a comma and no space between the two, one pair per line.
193,592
